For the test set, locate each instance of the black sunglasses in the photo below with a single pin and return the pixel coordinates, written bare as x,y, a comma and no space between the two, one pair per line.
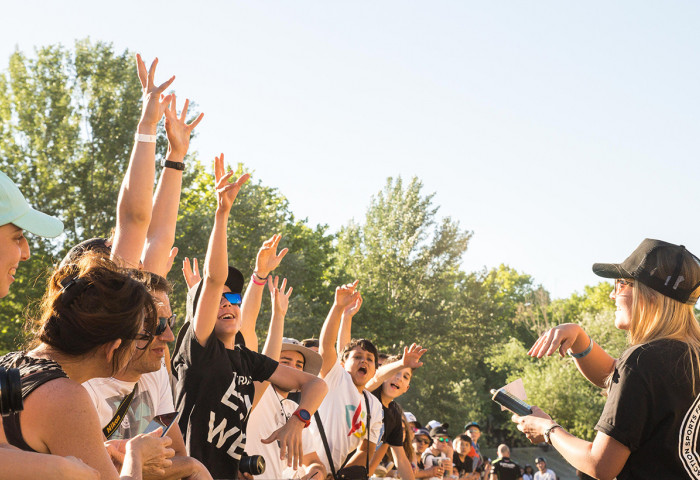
164,322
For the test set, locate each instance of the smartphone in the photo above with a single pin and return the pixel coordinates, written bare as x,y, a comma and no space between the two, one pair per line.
511,402
166,420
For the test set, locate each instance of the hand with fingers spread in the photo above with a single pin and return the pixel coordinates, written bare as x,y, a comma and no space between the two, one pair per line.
226,192
561,338
178,130
154,102
191,273
289,440
346,295
353,308
411,356
268,259
279,298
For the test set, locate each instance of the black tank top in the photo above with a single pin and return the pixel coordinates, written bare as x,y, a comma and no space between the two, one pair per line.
34,372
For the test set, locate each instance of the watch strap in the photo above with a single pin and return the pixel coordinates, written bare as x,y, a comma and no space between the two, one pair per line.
142,137
299,414
174,165
548,432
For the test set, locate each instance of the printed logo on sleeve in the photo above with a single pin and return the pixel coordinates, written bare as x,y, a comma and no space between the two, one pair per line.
688,440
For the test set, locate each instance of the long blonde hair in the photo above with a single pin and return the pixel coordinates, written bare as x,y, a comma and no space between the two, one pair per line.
656,316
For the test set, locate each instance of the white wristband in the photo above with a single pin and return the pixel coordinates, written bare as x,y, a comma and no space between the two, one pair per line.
141,137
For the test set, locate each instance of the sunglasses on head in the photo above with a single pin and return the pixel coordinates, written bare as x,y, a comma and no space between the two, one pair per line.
163,323
233,298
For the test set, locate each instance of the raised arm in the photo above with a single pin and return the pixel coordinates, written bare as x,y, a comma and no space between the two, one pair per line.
216,262
595,364
345,331
136,193
265,262
344,297
410,358
161,231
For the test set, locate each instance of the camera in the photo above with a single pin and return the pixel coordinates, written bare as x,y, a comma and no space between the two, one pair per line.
10,391
253,464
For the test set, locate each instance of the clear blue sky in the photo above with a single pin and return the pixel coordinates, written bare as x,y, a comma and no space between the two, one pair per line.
561,133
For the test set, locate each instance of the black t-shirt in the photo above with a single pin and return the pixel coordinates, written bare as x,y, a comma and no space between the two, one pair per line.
462,466
393,427
651,410
214,393
506,469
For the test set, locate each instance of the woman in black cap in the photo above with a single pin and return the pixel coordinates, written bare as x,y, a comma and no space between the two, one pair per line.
650,423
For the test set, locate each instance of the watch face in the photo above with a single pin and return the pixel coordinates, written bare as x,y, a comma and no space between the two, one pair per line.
305,415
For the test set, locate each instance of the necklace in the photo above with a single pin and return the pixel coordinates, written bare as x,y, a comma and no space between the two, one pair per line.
281,400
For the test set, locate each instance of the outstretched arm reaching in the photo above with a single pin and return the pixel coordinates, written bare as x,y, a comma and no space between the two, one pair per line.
161,231
136,193
410,358
266,261
344,297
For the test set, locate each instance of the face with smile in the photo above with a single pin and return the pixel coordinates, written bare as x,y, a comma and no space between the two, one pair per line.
13,249
360,365
398,384
228,319
622,295
151,359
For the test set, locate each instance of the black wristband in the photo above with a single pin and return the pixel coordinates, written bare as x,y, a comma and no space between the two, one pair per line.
174,165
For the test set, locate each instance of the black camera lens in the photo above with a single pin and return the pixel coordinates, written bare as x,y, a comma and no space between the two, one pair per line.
254,464
10,391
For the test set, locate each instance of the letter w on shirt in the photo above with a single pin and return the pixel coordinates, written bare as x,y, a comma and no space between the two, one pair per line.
220,430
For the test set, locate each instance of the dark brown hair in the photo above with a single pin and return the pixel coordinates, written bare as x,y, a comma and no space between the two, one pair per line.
363,344
90,303
152,281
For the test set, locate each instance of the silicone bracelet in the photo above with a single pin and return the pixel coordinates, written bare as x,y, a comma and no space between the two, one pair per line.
142,137
585,352
252,278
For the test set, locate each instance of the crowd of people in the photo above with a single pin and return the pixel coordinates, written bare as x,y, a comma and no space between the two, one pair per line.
99,372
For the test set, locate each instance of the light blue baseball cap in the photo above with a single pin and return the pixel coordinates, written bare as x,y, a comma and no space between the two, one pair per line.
15,209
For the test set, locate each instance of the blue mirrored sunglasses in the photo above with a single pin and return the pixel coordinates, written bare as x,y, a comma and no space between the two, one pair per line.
233,298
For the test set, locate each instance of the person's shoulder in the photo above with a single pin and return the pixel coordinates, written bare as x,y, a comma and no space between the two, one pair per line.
59,395
653,354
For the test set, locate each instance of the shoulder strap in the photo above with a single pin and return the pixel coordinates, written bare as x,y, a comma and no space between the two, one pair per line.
369,423
322,431
119,415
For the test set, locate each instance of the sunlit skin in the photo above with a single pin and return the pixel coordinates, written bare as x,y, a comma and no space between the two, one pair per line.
474,433
291,359
360,365
228,319
623,306
151,359
396,386
462,447
13,249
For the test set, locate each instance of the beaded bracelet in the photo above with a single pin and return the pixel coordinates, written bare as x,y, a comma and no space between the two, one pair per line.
585,352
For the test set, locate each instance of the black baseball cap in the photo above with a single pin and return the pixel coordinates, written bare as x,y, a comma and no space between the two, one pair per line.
540,459
661,266
439,431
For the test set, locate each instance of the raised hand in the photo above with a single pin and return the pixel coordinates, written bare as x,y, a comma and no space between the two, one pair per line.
561,337
353,308
411,356
154,102
171,259
346,295
226,192
178,130
280,299
191,273
268,259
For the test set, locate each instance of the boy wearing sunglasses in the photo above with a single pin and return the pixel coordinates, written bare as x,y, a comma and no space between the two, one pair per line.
440,453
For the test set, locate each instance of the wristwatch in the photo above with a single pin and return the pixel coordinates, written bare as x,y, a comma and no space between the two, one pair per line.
303,415
549,431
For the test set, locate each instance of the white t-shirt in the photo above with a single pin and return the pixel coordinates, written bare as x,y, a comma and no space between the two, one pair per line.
266,417
344,417
430,460
153,396
547,475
